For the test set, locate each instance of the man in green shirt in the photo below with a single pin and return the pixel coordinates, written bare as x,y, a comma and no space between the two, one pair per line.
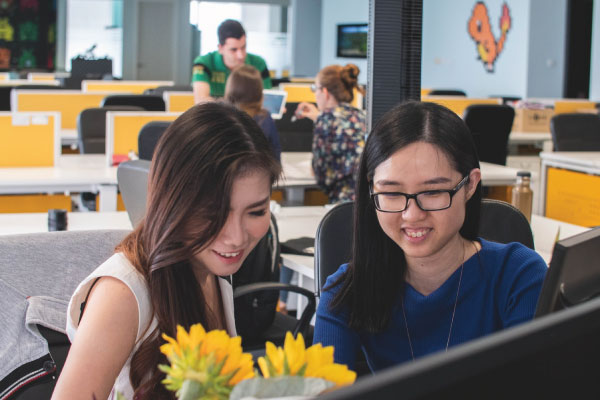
212,70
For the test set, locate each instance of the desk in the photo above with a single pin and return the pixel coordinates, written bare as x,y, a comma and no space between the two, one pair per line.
570,187
11,224
71,173
542,140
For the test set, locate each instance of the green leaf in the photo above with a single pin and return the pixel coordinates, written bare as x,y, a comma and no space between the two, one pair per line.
190,390
286,367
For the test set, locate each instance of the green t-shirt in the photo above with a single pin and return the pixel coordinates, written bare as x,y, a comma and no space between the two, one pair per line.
210,68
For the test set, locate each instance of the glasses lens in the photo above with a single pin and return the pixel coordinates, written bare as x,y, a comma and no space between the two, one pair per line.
390,202
313,87
431,201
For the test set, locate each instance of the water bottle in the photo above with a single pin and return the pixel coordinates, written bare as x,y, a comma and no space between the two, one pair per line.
522,195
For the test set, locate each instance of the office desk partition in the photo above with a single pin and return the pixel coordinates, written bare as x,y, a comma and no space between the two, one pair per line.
122,87
570,186
459,104
178,101
123,127
29,139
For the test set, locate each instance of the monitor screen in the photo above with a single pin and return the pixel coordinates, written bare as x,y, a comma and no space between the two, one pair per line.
555,356
274,102
574,273
352,40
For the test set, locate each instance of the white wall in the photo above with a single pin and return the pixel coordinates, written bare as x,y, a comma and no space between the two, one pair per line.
449,54
595,62
547,41
336,12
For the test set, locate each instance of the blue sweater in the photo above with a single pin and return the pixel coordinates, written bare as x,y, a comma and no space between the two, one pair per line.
499,289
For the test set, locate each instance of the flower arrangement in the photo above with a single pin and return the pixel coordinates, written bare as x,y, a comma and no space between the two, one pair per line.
212,365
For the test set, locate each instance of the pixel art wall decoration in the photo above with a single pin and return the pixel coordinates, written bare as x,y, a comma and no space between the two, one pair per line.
480,30
27,34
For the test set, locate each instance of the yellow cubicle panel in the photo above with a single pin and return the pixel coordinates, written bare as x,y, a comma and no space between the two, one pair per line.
572,197
41,76
459,104
133,87
123,127
4,76
29,139
69,103
33,203
178,101
425,92
574,105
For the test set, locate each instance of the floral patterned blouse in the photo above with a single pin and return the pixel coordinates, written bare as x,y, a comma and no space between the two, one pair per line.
338,141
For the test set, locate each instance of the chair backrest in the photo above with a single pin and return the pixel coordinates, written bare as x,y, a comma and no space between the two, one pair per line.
175,88
447,92
575,132
499,222
490,125
503,223
132,178
91,128
148,138
296,135
45,269
148,102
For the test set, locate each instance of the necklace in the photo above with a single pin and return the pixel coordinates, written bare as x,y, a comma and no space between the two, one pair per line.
451,320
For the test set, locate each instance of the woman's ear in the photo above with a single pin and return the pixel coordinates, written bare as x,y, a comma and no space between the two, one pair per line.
474,179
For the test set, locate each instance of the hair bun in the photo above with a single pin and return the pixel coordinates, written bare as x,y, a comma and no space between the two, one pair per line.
349,75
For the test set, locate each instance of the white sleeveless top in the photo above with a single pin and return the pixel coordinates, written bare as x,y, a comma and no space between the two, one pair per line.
119,267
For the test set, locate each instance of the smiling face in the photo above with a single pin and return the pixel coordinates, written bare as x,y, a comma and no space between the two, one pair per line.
424,236
233,52
248,221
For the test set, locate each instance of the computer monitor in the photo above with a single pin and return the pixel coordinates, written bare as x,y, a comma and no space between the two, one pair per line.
555,356
574,273
274,102
352,40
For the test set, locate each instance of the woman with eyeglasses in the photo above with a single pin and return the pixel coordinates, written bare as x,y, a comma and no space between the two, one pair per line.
420,280
339,130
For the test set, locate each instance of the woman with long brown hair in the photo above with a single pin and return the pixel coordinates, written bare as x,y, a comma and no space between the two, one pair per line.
208,206
244,89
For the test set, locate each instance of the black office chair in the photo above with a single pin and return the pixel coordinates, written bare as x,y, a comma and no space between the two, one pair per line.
575,132
91,128
50,266
499,222
490,125
149,136
159,90
147,101
447,92
132,178
297,135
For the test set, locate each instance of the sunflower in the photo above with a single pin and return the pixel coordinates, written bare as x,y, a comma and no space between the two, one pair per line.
296,360
207,365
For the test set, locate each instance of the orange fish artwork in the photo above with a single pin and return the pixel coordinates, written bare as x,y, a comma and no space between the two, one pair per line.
480,30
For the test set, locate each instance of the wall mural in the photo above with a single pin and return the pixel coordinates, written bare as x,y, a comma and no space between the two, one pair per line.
27,34
480,30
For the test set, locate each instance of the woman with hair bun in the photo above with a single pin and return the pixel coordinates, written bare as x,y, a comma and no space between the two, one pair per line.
339,132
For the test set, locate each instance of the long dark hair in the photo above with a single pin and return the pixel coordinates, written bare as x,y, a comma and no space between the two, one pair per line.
193,168
373,281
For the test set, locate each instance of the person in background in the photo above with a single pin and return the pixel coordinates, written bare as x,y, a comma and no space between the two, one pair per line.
339,131
211,70
244,89
208,206
419,279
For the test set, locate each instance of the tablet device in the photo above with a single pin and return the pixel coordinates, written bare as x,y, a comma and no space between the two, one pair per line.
274,102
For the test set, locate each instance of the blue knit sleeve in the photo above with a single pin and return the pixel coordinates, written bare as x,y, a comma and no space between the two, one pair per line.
331,327
525,272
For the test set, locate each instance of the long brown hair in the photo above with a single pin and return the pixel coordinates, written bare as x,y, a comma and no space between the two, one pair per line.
244,89
193,168
340,81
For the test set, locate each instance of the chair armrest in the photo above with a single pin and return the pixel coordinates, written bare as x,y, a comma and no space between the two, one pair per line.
309,310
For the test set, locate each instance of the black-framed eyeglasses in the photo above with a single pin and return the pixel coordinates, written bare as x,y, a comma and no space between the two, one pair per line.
314,87
429,200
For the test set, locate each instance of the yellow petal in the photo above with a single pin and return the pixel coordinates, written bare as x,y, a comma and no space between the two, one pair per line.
294,350
275,355
264,369
336,373
316,357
